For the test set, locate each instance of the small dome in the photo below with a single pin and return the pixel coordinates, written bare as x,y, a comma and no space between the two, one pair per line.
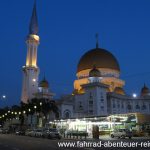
81,91
94,72
144,90
108,90
44,83
76,92
119,90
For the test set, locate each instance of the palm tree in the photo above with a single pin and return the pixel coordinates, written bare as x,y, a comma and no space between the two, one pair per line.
44,107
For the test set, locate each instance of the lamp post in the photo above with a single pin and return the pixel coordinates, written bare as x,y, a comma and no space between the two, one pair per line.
35,116
134,95
3,98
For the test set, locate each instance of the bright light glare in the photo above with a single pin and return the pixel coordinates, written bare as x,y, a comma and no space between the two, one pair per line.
134,95
4,96
34,80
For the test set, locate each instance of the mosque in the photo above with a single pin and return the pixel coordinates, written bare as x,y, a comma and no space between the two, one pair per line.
98,90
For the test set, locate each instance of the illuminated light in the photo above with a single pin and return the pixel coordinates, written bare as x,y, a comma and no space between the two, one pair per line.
68,120
34,80
15,113
77,120
134,95
3,96
40,103
12,112
19,113
33,36
0,117
29,109
24,112
35,107
8,111
5,114
95,118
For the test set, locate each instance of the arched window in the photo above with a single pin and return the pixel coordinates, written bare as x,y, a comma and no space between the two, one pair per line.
143,107
67,114
129,107
137,106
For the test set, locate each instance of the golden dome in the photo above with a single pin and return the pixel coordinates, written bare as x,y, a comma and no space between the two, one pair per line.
108,90
99,57
119,90
144,90
44,83
94,72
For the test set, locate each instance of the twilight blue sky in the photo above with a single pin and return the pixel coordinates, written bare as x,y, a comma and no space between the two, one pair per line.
67,31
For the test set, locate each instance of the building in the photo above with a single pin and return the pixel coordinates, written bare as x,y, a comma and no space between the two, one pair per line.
99,99
98,90
31,87
98,93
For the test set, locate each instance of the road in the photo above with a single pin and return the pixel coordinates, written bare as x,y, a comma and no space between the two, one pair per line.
14,142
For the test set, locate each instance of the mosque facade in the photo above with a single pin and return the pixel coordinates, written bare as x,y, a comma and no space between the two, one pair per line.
98,89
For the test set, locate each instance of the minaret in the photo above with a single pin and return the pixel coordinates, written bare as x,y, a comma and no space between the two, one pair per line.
31,70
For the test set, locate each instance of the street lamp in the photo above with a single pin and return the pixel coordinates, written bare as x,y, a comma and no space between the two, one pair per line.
24,111
134,95
29,109
40,103
35,107
4,96
34,80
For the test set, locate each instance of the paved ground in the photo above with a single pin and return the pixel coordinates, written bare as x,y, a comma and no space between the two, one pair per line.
13,142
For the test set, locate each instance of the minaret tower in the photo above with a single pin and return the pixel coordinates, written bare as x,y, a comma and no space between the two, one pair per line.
31,70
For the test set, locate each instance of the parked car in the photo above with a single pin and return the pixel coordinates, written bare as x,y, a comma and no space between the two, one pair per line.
38,133
76,133
32,133
1,130
5,131
20,132
121,133
51,133
27,132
